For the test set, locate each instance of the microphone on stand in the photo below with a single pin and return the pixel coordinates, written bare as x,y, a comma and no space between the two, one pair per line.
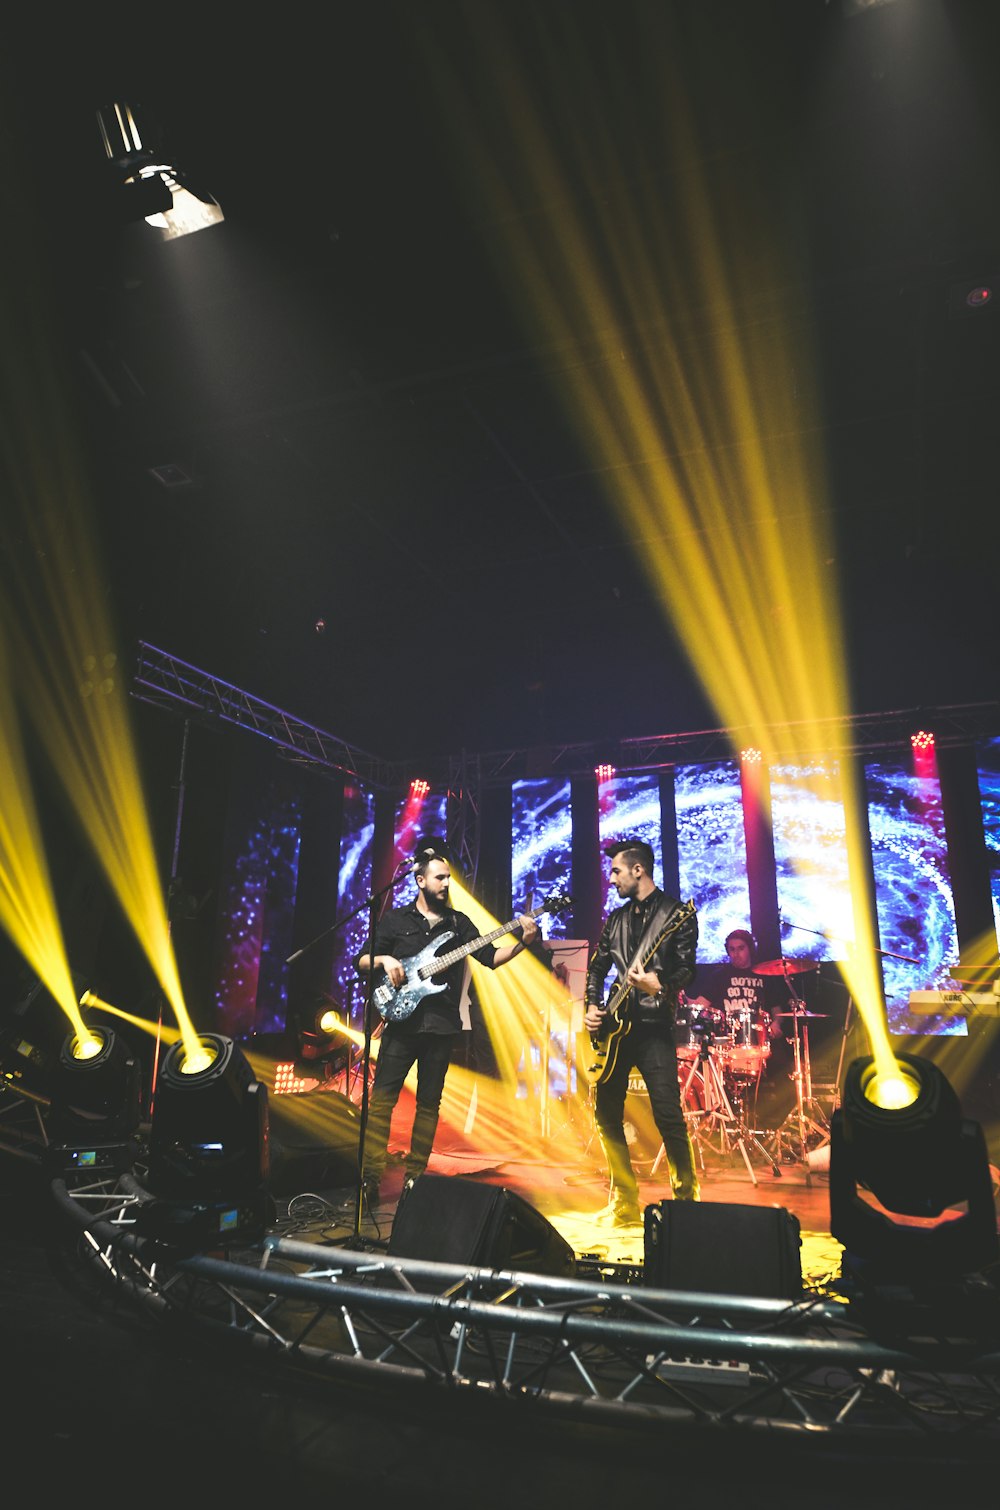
431,848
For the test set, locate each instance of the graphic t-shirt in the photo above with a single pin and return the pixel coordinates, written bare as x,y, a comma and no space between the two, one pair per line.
735,990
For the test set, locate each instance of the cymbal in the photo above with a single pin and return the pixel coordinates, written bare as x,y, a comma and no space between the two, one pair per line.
785,966
800,1014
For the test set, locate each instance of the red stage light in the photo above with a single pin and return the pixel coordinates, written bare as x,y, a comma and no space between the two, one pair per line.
419,788
922,740
978,296
604,772
751,756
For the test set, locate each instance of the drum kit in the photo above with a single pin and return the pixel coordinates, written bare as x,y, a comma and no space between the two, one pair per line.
721,1057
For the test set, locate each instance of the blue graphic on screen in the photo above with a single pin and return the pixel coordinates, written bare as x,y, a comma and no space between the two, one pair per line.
711,852
353,886
810,856
541,854
252,987
426,818
629,808
989,794
913,898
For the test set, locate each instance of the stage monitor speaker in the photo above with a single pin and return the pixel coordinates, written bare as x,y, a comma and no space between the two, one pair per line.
314,1142
449,1220
723,1249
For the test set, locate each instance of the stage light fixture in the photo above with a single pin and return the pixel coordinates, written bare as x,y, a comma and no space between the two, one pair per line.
604,772
148,187
208,1156
95,1105
419,787
911,1196
923,739
209,1128
326,1037
95,1090
751,756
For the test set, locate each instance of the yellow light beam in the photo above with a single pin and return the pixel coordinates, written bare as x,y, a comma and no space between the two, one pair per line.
66,668
27,909
709,450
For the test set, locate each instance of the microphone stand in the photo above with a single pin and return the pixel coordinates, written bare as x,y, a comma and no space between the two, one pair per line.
375,903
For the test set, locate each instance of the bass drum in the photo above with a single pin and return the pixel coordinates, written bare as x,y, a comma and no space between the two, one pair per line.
747,1044
697,1028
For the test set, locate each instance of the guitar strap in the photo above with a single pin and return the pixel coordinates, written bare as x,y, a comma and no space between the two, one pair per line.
654,925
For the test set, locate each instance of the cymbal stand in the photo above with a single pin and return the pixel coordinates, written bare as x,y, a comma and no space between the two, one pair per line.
716,1120
743,1134
801,1118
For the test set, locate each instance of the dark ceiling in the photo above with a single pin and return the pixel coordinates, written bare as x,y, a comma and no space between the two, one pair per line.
367,433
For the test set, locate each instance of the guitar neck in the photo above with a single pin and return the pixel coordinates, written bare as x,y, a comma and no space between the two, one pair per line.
443,961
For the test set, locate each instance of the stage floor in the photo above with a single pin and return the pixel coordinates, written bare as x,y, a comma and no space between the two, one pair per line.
571,1192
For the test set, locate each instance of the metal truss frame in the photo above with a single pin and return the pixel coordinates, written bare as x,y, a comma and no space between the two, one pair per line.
576,1349
167,682
951,726
465,812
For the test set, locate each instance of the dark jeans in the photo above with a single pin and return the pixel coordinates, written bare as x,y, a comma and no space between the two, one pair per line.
431,1053
650,1050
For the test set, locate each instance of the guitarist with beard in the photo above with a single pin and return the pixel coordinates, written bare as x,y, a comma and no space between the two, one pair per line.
652,941
427,1035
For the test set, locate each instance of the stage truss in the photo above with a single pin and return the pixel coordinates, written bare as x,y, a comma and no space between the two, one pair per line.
588,1348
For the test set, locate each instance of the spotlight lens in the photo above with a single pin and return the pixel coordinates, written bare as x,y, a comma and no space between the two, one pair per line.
197,1060
329,1022
86,1048
892,1092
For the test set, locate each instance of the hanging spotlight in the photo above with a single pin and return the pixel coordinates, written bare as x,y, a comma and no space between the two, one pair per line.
148,186
911,1195
208,1149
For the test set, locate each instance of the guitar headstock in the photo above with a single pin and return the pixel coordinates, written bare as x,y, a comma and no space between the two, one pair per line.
557,901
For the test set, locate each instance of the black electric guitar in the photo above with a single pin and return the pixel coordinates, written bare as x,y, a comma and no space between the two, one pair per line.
617,1021
397,1002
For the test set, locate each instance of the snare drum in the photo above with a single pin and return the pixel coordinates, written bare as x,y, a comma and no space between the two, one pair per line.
747,1045
697,1027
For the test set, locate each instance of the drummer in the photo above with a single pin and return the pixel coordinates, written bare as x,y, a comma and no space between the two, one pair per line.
735,987
748,997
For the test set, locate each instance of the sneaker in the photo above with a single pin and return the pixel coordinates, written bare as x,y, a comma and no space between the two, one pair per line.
620,1213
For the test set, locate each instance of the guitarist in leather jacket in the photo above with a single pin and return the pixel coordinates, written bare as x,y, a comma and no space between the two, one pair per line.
427,1037
650,979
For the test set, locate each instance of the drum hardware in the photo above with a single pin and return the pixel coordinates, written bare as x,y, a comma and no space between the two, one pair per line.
746,1047
806,1127
719,1123
785,966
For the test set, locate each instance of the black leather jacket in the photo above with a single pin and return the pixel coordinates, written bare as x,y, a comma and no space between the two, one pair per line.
673,959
